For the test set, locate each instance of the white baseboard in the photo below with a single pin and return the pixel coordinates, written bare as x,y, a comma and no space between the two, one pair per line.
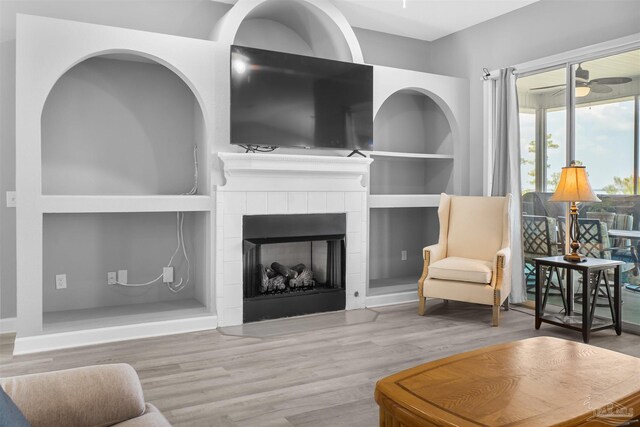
8,325
391,299
56,341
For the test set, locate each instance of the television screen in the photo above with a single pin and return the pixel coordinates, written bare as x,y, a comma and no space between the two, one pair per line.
284,100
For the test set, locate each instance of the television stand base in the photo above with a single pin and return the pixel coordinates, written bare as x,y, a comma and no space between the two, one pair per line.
356,152
258,148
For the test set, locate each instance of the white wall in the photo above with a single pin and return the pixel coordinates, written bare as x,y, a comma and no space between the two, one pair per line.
189,18
393,51
541,29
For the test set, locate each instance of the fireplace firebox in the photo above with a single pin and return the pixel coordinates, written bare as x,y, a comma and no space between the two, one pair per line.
293,265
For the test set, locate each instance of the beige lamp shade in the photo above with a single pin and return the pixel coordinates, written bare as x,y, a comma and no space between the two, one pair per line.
574,186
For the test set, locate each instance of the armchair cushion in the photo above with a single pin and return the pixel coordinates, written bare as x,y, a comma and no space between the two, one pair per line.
462,269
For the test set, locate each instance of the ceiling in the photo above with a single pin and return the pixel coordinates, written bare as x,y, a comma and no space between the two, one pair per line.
421,19
547,89
626,64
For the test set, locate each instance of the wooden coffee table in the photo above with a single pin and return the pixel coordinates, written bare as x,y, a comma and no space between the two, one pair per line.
540,381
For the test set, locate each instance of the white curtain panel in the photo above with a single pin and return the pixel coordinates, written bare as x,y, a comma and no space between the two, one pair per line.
505,169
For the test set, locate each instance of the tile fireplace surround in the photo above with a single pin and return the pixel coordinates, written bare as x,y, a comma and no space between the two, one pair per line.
265,184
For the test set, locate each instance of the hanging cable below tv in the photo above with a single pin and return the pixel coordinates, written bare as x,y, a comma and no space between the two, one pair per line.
258,148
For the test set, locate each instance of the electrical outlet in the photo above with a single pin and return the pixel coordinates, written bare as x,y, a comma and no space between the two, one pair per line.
122,277
61,281
167,275
403,255
11,199
112,278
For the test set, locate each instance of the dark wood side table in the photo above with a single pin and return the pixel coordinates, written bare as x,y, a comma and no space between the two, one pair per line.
586,322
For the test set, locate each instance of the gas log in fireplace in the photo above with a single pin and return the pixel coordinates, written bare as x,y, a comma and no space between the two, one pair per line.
293,265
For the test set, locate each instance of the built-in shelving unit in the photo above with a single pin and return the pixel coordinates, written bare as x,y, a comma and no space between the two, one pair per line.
148,203
119,155
403,200
121,315
416,132
86,246
113,173
410,155
107,124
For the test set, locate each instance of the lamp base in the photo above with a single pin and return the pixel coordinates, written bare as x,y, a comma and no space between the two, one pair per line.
575,258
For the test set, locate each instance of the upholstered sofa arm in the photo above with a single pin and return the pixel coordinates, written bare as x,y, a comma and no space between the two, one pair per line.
90,396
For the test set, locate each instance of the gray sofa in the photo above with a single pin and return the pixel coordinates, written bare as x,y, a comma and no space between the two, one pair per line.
102,395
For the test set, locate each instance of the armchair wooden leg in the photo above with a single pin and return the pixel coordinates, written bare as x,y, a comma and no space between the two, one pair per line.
421,305
505,304
495,321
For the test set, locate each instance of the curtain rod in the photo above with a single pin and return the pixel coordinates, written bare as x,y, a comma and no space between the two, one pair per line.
493,75
575,56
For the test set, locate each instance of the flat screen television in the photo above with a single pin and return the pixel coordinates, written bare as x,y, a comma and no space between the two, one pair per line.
285,100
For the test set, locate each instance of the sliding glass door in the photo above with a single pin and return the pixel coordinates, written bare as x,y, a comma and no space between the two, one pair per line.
542,148
600,131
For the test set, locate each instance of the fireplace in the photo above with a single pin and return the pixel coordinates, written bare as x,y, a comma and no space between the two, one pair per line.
293,265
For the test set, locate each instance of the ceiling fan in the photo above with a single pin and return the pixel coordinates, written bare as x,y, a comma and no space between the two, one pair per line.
584,86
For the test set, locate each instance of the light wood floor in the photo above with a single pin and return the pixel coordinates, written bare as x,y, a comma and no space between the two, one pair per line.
320,377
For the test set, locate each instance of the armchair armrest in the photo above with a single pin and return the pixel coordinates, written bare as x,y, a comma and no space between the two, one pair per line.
505,254
94,395
433,253
502,270
430,254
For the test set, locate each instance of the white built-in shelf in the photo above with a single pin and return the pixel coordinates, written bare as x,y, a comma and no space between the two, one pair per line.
410,155
104,317
393,285
404,200
151,203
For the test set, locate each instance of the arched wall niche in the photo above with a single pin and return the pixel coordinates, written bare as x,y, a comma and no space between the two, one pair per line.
319,27
124,54
408,107
271,35
415,121
121,122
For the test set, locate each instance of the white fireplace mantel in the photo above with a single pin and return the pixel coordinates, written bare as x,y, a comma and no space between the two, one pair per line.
265,184
246,171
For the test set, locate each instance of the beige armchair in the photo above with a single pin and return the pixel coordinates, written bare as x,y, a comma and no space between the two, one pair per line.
472,259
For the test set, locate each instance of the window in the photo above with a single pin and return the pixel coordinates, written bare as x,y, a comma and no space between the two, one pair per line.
542,129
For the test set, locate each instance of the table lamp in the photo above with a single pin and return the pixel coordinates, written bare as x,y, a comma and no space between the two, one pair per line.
574,187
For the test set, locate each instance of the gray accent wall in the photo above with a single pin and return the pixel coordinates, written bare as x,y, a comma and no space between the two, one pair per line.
101,132
393,51
536,31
